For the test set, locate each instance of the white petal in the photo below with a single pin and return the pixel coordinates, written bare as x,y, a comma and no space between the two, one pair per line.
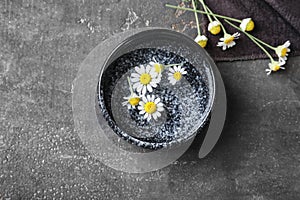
142,112
184,72
157,100
158,114
287,44
175,68
160,104
220,44
153,84
135,79
144,90
154,116
139,70
231,44
135,75
152,98
149,118
160,109
148,68
155,80
146,115
173,82
139,88
153,74
144,99
171,70
136,85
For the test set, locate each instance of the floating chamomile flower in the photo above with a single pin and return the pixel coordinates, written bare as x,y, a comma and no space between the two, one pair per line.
150,107
228,40
214,27
175,74
201,40
282,50
132,101
145,79
157,66
275,66
247,24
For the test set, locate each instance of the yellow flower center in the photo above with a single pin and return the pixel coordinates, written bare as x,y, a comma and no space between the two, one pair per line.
275,67
215,30
228,40
150,107
177,76
283,52
202,43
158,67
134,101
145,79
250,26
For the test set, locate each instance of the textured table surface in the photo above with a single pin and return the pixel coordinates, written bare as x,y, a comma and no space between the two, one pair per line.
42,157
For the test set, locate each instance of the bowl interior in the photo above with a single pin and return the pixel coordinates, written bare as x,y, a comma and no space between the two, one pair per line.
186,104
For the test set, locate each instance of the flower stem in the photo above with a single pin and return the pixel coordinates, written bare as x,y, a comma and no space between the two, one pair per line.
251,38
130,87
170,65
223,28
196,17
205,9
203,12
262,42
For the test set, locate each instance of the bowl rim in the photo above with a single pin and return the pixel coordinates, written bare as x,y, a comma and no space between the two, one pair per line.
114,53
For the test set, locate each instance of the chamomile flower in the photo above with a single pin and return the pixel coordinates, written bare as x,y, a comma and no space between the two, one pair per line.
275,66
175,74
282,50
132,101
145,79
150,107
228,40
214,27
247,24
201,40
158,68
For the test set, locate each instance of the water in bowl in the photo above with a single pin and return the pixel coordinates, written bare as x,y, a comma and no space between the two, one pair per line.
183,102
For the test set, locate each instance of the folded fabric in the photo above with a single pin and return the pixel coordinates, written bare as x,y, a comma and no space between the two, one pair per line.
275,23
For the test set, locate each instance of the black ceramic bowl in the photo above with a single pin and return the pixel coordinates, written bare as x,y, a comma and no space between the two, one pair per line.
186,104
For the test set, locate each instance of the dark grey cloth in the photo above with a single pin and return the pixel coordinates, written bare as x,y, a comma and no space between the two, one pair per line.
276,21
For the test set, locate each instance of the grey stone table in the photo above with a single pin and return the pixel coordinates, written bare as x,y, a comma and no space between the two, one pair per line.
42,157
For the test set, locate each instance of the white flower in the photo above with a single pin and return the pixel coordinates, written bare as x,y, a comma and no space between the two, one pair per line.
150,107
214,27
176,74
131,101
145,79
228,40
201,40
275,66
247,24
158,68
282,50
